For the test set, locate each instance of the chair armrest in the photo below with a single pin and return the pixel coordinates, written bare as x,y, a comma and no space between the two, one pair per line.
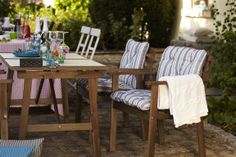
155,83
133,71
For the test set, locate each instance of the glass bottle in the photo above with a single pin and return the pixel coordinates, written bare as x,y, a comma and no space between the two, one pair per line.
26,28
18,26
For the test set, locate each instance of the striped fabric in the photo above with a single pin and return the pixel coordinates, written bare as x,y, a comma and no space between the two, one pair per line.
104,84
180,61
139,98
37,145
133,58
174,61
16,151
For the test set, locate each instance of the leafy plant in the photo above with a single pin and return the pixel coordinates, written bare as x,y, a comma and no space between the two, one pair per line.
5,8
139,27
121,20
223,109
75,14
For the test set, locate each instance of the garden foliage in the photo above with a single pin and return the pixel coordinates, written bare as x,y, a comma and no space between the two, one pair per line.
121,20
223,109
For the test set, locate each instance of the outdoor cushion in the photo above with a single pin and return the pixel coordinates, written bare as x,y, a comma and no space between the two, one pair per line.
36,144
139,98
133,58
16,151
104,84
181,61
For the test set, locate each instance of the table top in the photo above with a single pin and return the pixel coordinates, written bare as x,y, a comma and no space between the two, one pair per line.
70,63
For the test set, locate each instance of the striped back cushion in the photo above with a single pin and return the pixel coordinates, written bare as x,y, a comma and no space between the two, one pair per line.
133,58
181,61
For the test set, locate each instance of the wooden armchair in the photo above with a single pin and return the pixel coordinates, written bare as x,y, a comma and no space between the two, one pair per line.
132,59
143,102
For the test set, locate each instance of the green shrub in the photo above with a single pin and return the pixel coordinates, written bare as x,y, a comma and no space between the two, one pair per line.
160,17
223,109
120,20
5,9
69,13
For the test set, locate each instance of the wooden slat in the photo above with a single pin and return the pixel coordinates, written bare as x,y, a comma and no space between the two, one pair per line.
45,101
59,127
58,74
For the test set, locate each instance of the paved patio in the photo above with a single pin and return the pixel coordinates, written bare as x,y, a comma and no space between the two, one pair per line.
179,142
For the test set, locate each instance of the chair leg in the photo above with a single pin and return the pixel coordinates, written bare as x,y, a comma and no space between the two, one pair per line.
160,131
113,128
144,127
201,140
151,135
126,119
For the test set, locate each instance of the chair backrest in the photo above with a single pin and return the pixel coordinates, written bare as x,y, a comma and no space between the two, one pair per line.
93,42
181,61
133,58
83,41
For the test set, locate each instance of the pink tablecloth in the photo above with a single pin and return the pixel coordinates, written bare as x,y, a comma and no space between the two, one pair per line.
18,84
12,45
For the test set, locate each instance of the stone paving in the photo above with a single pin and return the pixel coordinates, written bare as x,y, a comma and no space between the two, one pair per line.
179,142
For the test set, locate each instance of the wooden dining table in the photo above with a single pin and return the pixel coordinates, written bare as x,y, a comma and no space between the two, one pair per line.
74,66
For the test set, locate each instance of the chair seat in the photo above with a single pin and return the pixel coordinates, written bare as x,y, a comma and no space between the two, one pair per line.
16,151
104,84
140,98
23,146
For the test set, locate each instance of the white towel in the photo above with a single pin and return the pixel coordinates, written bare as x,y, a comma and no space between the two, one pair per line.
186,98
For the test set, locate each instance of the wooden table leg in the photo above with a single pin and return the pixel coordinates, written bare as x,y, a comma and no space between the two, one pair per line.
54,98
9,87
94,116
4,112
25,108
65,98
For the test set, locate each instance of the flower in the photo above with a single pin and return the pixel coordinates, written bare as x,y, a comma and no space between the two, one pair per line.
56,53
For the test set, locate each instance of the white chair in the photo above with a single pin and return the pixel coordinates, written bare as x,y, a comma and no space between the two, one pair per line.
93,42
85,33
94,34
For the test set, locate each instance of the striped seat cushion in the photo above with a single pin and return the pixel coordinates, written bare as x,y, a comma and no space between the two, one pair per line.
174,61
37,145
139,98
104,84
16,151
